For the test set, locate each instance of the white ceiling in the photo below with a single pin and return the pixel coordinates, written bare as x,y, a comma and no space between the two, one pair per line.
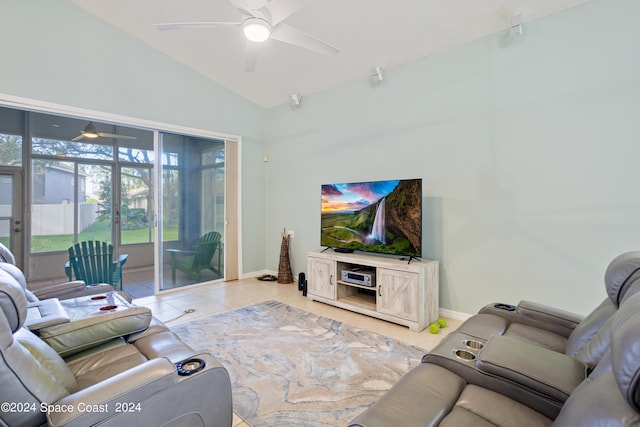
369,33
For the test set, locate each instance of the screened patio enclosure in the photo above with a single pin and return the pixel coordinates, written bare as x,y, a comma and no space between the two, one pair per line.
149,193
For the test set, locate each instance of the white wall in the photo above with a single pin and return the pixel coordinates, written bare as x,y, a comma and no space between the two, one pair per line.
54,51
528,150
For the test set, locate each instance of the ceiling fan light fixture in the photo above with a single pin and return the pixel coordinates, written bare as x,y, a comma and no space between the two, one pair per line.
256,29
90,131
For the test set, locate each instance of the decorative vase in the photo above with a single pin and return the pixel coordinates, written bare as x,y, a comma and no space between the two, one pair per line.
284,268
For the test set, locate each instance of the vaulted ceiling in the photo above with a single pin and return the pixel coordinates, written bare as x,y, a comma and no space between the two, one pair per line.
368,33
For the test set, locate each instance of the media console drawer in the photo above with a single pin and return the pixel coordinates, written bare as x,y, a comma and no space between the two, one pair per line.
379,286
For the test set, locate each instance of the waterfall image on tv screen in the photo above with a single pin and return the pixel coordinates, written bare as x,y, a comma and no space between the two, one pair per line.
377,216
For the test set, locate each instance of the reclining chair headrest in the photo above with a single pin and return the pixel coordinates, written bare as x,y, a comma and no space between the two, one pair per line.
625,351
14,272
18,276
13,301
6,255
623,271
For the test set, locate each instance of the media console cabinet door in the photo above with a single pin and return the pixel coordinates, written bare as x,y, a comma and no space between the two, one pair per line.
398,294
321,281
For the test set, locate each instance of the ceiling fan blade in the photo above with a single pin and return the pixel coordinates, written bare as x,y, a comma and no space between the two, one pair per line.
282,9
293,36
78,138
111,135
250,56
182,25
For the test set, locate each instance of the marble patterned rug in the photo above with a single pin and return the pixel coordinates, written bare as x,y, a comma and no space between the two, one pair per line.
289,367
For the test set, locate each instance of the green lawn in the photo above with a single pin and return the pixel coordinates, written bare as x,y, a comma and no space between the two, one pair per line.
98,231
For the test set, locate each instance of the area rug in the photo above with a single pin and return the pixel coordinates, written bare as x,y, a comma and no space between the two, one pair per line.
289,367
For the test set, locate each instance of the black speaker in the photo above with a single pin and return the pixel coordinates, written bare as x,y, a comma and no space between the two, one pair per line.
301,281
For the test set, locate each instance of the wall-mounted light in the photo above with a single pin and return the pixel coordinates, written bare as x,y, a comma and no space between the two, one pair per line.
377,75
295,100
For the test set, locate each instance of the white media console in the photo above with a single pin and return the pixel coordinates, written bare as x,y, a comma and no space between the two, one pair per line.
379,286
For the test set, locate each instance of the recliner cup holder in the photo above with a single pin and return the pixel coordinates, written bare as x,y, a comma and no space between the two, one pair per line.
190,366
475,345
464,355
507,307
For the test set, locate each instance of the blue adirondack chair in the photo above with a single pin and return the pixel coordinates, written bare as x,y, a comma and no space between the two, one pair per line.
193,262
92,261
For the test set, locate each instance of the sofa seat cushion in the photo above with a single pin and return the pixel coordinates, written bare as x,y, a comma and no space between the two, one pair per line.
425,395
537,336
477,406
430,395
108,360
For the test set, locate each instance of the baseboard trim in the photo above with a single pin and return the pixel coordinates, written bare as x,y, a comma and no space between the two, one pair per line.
258,274
458,315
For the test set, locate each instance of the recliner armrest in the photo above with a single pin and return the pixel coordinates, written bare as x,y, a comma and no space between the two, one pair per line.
73,289
42,293
152,394
542,370
97,327
541,316
43,314
547,313
95,403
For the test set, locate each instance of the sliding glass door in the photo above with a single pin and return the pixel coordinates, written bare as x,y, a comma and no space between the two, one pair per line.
11,224
150,194
193,219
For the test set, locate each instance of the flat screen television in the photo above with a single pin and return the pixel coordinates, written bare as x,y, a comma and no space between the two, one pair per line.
375,216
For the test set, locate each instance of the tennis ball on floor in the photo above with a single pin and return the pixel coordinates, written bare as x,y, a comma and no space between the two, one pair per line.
434,328
441,322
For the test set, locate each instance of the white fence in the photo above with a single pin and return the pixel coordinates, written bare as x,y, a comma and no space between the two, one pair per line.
47,220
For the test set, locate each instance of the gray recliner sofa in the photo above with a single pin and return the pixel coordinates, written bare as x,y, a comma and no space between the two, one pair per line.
505,386
585,338
146,377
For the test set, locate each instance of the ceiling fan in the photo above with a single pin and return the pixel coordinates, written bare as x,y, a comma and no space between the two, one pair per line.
263,20
90,132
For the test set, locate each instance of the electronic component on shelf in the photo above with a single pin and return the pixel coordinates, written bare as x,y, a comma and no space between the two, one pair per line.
359,277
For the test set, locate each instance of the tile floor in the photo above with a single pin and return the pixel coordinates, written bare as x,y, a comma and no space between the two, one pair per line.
175,307
217,297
